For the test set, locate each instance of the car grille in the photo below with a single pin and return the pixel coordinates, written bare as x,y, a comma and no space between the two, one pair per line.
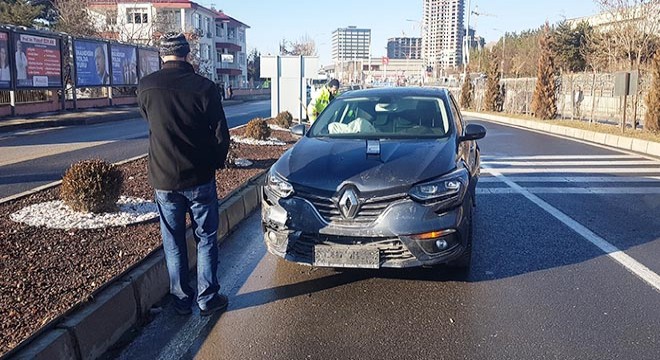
369,211
389,248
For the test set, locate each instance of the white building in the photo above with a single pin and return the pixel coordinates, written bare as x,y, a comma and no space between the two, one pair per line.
351,43
220,48
442,33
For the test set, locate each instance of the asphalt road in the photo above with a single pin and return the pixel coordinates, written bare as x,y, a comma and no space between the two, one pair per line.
565,266
29,159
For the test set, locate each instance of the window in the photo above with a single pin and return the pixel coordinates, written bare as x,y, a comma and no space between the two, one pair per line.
231,33
197,21
137,16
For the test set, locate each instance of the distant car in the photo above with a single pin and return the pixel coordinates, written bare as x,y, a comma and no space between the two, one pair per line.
383,178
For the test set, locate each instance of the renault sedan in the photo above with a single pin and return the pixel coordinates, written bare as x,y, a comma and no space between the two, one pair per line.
383,178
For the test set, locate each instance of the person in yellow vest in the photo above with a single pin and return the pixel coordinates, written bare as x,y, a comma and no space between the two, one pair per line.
322,99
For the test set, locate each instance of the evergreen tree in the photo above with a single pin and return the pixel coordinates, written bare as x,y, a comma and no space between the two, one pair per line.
544,101
492,83
467,91
569,44
19,12
652,118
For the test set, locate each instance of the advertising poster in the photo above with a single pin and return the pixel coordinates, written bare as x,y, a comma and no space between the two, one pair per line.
91,63
5,72
149,62
38,61
124,65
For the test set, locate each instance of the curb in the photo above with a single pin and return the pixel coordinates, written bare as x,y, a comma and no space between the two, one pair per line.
95,327
645,147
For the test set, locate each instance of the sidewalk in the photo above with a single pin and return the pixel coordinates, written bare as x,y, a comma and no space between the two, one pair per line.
78,117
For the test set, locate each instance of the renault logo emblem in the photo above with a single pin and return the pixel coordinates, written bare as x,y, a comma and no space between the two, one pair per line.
349,203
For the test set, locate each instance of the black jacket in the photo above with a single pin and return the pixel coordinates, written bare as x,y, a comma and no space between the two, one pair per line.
188,134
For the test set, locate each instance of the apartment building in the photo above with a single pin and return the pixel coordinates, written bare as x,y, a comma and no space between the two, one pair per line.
220,48
404,48
442,33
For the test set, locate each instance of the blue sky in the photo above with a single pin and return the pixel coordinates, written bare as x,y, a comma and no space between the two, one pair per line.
273,20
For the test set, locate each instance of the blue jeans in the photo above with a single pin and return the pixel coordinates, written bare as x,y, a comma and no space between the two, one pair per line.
201,202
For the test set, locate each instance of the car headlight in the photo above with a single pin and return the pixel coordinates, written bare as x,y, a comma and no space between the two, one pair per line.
278,185
448,190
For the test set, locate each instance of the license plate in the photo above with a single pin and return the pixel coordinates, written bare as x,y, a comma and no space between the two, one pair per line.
337,256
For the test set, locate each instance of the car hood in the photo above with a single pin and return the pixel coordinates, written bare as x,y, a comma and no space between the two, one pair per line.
329,164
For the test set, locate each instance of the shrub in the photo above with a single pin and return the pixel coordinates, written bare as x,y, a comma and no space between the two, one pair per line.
544,101
230,161
257,129
652,119
284,119
467,91
92,186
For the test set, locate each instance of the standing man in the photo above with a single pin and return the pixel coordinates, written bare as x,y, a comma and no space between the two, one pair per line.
324,97
188,141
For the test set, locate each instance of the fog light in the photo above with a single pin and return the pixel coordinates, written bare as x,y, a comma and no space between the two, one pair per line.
441,244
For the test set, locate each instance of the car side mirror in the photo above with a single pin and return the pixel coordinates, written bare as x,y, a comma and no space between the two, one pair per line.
473,132
299,130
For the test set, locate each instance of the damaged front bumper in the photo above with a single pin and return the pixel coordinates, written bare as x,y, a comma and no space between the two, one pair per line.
296,231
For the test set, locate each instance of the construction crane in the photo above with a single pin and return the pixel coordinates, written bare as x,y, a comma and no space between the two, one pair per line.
466,44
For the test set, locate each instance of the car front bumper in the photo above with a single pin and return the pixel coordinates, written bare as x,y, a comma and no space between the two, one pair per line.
293,228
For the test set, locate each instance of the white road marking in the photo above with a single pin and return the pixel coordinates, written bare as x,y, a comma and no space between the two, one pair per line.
575,190
573,163
572,170
572,179
612,251
558,157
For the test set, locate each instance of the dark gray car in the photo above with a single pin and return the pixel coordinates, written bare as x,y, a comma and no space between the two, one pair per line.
383,178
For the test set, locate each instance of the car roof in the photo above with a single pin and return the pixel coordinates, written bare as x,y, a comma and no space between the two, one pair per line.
397,91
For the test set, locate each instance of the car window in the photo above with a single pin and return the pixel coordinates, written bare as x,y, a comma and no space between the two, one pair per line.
456,114
384,117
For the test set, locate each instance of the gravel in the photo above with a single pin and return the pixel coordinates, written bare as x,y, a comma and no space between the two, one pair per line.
45,272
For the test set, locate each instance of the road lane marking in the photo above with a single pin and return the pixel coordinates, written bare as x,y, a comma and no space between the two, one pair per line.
571,170
572,179
559,157
575,190
612,251
573,163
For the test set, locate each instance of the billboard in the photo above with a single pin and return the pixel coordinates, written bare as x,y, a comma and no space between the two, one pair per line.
91,63
149,62
5,72
38,61
124,64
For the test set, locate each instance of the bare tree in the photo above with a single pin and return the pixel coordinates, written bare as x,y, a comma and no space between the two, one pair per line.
304,46
73,18
632,26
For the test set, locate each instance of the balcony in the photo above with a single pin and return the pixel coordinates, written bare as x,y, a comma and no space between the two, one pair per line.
229,46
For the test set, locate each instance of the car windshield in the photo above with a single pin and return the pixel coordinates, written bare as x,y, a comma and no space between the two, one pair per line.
405,117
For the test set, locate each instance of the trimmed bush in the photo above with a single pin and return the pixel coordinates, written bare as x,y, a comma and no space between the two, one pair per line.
230,161
652,119
257,129
284,119
92,186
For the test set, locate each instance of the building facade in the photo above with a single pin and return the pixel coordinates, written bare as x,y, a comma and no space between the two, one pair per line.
219,45
404,48
442,34
351,44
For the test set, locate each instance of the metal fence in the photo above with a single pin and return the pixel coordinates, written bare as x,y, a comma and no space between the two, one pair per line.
583,96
